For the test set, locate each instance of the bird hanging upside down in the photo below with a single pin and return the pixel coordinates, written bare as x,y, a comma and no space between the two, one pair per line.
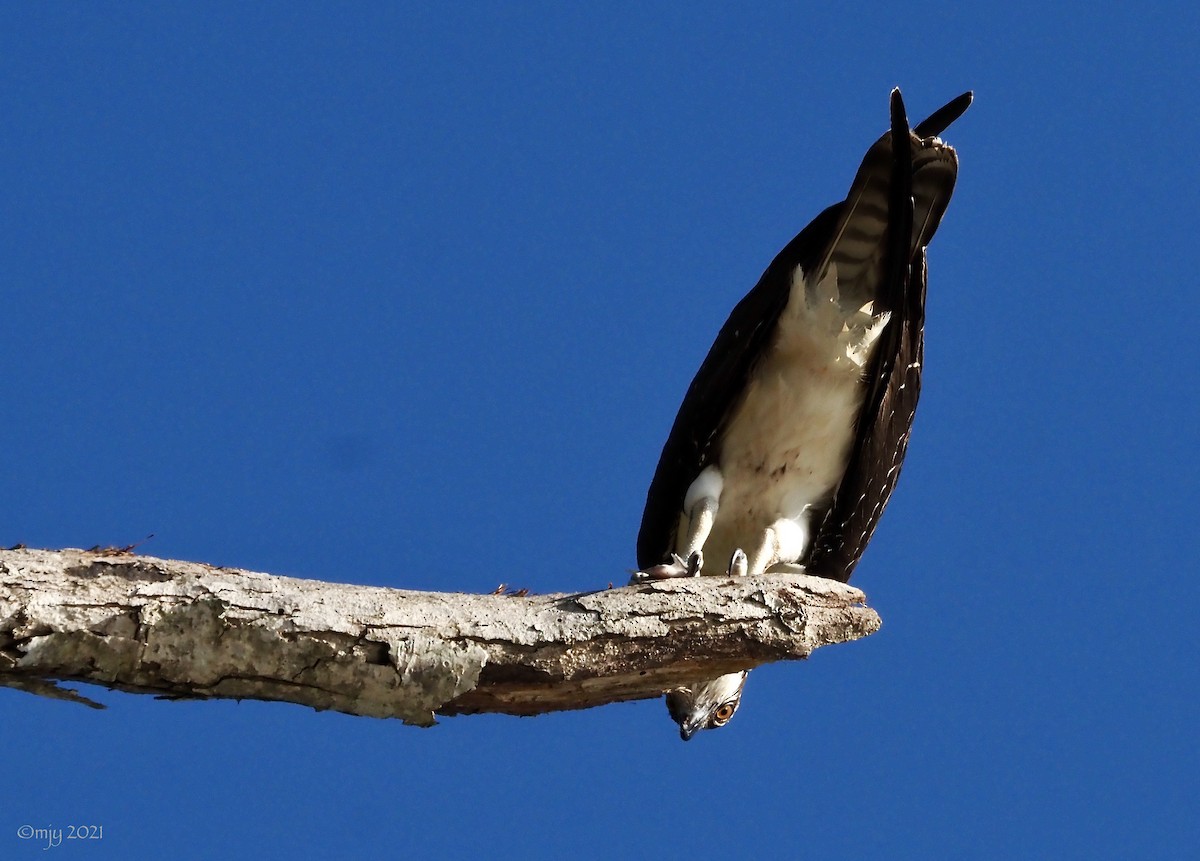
790,439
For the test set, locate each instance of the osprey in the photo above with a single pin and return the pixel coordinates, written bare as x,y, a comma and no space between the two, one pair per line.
791,436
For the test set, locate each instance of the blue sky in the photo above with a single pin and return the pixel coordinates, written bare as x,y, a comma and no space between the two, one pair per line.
405,296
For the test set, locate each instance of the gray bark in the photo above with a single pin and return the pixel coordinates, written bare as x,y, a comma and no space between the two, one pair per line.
189,630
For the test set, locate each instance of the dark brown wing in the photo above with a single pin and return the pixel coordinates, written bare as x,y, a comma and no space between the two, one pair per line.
923,172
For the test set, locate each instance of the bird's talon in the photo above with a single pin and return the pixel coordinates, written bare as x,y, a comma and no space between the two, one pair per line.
664,571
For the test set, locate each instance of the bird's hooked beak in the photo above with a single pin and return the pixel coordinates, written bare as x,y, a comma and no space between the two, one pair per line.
687,729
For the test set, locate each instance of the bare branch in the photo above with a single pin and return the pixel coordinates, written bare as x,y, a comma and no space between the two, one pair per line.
188,630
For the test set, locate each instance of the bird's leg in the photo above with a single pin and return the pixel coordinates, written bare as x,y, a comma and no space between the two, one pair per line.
701,503
763,554
700,506
785,540
700,521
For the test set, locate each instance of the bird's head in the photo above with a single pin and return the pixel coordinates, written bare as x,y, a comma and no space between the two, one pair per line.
706,705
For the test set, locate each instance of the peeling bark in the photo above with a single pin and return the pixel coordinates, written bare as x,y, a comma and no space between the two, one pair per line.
189,630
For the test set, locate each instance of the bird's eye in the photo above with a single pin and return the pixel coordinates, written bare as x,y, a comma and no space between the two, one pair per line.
723,713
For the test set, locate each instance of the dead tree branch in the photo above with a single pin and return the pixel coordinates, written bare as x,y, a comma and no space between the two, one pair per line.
188,630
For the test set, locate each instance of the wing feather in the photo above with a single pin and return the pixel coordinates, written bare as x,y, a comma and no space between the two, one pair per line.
885,422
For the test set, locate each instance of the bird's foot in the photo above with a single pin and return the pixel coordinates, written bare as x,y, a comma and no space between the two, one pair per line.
664,571
738,564
668,570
